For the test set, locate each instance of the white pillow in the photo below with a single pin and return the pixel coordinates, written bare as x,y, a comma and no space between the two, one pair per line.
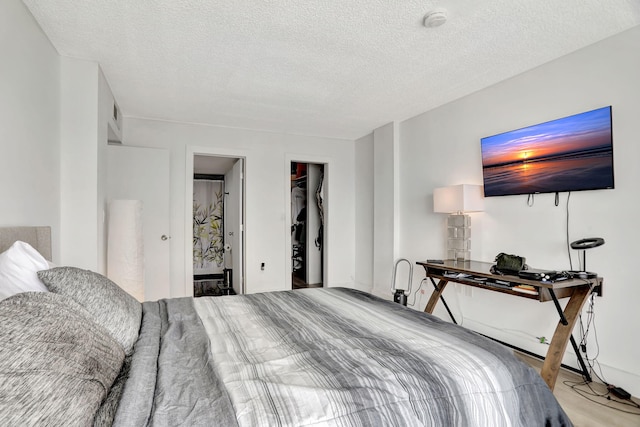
19,266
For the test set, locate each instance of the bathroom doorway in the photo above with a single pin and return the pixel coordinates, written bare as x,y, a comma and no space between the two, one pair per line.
218,199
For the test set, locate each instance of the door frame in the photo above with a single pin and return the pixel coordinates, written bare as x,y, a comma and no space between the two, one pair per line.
191,152
302,158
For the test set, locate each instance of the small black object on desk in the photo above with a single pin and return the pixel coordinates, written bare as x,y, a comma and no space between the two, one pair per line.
583,245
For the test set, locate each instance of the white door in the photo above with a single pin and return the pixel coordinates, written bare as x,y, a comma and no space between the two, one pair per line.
143,174
234,223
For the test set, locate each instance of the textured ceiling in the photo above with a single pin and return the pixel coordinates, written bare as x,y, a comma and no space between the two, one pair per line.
337,68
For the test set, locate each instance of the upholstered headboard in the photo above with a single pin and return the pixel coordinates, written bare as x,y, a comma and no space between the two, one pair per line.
38,237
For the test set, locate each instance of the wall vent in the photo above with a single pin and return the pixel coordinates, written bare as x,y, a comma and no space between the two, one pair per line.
116,116
115,129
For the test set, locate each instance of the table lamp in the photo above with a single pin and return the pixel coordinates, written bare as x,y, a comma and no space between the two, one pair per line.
456,200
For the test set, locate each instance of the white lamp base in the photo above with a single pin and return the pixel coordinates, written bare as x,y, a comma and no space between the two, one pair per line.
459,237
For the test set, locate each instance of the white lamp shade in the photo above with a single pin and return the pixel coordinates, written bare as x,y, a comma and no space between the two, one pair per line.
125,247
458,198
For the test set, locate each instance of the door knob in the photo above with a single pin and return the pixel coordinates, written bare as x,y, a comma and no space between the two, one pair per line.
164,237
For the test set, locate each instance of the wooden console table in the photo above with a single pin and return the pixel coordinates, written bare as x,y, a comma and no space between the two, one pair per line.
477,274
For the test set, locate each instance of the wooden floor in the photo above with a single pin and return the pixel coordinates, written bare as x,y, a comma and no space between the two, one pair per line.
582,412
298,283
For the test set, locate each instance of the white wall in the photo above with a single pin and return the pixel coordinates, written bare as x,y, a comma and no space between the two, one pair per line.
86,109
266,211
442,147
105,116
53,128
363,195
79,163
385,206
29,123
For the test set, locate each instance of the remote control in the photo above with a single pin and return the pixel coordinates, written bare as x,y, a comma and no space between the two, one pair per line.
435,261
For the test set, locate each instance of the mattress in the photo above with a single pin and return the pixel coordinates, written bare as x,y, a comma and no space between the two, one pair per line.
84,352
331,357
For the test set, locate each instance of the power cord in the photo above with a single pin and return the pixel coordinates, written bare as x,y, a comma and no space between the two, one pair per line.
584,333
542,340
415,294
582,346
567,229
575,386
593,364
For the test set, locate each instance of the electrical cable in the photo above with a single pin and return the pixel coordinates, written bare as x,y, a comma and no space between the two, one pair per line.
530,200
524,333
594,366
413,303
415,294
567,229
584,393
584,332
557,199
590,319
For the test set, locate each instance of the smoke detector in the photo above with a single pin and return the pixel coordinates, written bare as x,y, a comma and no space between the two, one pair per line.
435,18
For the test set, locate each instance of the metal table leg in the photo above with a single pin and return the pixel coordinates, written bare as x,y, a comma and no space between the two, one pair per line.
563,320
443,301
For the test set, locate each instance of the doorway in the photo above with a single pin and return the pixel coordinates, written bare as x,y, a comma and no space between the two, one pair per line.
307,225
218,217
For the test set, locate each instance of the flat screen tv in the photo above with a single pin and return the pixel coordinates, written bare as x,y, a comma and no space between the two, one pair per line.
569,154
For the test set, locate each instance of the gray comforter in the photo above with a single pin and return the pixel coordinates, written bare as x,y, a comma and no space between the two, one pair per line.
334,357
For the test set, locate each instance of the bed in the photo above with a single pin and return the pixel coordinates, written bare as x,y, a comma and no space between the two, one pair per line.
87,353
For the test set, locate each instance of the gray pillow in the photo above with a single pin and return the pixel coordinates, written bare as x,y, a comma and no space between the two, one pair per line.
56,364
109,305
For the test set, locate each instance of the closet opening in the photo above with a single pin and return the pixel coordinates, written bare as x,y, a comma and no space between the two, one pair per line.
307,225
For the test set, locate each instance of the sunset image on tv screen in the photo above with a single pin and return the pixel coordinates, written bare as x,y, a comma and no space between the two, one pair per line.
569,154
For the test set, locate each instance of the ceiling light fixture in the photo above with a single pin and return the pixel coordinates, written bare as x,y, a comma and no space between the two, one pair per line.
435,18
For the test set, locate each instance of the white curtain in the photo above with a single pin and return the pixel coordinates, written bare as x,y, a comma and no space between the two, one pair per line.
208,238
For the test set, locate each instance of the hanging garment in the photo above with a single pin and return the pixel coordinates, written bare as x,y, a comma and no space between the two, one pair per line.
298,204
319,200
